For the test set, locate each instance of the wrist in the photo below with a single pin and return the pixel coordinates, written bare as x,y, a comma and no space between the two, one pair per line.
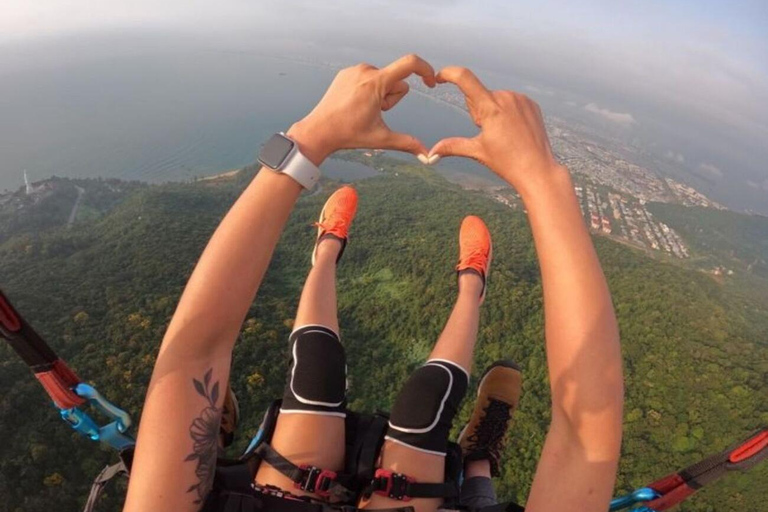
310,143
556,180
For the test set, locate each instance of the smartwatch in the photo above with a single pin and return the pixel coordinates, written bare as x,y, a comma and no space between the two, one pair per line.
282,154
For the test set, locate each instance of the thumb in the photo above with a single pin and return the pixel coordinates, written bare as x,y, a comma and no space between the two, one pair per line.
404,142
457,146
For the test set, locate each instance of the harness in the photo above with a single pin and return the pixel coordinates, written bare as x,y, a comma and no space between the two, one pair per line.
233,488
234,491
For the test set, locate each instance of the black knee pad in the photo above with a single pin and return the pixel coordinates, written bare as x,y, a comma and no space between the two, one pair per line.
424,410
317,378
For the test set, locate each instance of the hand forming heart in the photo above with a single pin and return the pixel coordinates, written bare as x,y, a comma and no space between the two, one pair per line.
512,141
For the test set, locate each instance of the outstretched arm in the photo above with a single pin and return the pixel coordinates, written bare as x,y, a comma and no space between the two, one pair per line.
177,441
578,464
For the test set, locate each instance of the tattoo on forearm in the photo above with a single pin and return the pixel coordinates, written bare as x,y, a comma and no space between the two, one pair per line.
204,432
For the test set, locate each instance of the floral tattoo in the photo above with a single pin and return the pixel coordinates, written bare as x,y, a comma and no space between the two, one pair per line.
204,432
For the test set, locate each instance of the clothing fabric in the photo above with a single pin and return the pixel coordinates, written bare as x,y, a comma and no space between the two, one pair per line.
478,492
423,412
317,377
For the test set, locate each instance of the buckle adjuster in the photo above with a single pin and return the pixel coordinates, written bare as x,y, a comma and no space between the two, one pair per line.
392,485
316,480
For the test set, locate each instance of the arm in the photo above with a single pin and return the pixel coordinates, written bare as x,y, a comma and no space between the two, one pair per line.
177,441
577,469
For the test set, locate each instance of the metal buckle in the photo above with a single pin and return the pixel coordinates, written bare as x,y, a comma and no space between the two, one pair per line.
317,480
641,495
396,487
112,433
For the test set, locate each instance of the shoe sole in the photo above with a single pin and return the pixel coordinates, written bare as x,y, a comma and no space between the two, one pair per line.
503,363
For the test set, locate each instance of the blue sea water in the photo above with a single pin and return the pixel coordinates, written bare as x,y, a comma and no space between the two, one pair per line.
170,116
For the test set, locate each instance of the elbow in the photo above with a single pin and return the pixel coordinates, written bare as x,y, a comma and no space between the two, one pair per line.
593,423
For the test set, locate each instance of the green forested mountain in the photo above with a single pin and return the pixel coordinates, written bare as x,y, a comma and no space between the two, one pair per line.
721,238
102,292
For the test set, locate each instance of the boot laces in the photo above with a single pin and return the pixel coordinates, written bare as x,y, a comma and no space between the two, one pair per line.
489,434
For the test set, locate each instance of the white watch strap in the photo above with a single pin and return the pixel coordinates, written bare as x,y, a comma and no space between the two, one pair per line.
301,169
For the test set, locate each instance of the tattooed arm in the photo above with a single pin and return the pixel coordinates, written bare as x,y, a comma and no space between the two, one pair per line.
176,447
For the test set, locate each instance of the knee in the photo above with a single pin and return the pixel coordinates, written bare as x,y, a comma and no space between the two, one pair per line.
424,410
317,377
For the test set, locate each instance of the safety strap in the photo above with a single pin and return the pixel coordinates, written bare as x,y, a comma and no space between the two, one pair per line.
53,373
323,482
403,488
508,506
62,384
277,501
677,487
106,475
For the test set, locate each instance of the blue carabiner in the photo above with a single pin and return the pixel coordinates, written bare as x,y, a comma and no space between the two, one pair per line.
638,496
114,433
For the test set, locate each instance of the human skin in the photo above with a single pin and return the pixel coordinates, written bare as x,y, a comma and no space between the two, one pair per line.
174,456
578,464
175,449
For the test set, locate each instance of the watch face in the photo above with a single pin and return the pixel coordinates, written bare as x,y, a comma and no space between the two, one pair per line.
275,151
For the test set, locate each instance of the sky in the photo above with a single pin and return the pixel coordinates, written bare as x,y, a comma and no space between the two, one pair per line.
688,79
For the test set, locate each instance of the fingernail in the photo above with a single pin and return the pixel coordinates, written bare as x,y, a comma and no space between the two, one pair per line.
433,159
423,158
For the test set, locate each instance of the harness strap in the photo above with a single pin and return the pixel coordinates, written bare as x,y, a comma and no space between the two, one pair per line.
53,373
106,475
323,482
503,507
403,488
742,456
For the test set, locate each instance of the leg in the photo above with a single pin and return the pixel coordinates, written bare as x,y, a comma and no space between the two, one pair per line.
457,341
310,433
414,451
455,345
477,489
318,298
482,439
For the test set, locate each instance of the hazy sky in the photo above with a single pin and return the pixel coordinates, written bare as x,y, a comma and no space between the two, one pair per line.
688,78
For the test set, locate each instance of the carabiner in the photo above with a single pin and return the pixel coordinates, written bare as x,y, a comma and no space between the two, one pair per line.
112,433
637,496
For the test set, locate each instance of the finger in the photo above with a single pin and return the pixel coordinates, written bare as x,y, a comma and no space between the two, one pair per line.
398,91
466,80
404,67
457,146
403,142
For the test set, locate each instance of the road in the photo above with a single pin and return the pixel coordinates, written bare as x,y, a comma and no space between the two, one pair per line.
76,206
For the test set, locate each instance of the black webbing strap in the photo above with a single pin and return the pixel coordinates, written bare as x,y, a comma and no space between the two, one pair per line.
22,338
323,482
106,475
678,487
401,487
53,373
502,507
271,503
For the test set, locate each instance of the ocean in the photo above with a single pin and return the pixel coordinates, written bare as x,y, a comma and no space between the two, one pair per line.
177,115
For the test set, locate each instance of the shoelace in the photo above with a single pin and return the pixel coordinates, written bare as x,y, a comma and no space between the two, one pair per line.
338,222
477,260
489,433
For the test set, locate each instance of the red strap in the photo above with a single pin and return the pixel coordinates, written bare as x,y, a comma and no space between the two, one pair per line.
65,373
671,498
8,317
750,448
59,387
667,484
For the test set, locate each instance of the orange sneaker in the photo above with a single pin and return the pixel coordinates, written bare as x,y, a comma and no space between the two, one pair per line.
475,249
336,217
